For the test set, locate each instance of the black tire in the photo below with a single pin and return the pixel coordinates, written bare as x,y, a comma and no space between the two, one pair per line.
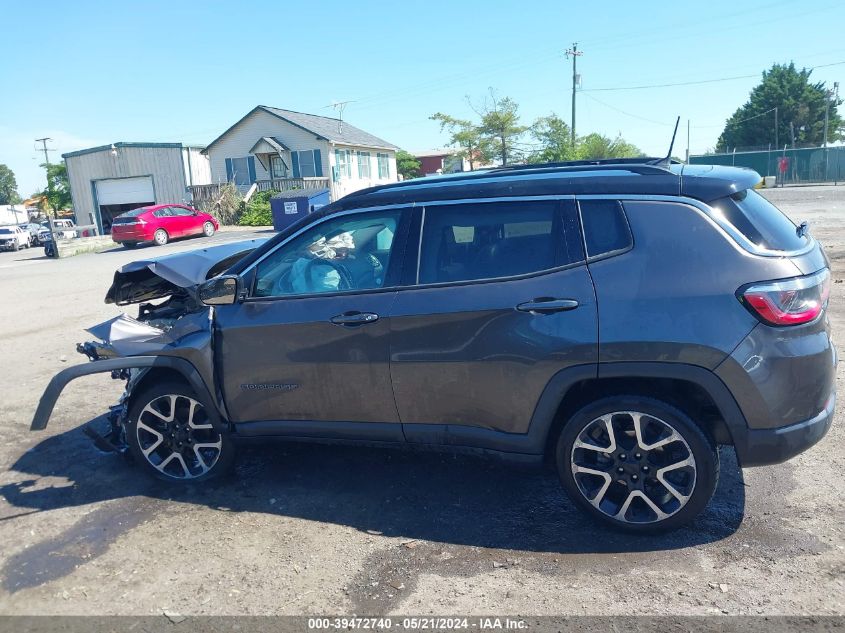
160,237
635,474
129,244
205,453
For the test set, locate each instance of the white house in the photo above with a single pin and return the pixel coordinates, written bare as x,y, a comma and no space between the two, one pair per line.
270,145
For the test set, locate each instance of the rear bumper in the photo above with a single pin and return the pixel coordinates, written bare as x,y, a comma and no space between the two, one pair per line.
124,235
760,447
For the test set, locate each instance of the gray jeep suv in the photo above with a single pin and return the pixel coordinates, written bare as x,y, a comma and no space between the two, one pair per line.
621,319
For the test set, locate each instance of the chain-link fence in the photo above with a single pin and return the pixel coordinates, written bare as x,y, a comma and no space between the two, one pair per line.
790,166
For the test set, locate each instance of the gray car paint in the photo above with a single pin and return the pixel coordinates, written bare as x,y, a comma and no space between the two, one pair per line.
463,355
668,301
671,298
782,376
335,372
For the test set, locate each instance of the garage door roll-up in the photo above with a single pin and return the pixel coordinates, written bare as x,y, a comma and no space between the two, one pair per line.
125,191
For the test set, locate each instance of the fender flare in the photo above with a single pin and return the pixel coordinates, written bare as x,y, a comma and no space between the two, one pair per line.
60,381
560,384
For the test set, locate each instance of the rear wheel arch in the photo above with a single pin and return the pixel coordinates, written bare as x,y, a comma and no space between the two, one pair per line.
694,390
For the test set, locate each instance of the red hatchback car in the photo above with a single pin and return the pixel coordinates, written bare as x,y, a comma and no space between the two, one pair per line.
160,224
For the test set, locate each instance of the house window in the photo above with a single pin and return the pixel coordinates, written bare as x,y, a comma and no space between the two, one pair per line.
343,162
278,168
241,171
363,165
383,166
307,164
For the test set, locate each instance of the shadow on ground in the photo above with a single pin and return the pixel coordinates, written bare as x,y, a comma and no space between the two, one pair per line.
446,498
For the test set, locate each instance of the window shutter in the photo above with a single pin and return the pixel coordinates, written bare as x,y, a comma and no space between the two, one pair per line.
295,158
230,173
251,162
318,164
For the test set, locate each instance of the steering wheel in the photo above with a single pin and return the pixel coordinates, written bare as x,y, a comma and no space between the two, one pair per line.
345,278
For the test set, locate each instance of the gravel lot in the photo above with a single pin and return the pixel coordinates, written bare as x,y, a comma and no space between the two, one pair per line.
317,529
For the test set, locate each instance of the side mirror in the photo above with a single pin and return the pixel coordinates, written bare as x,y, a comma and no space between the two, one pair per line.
222,290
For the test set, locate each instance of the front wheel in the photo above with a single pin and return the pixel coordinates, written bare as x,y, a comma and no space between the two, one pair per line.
161,237
170,434
208,229
637,463
129,244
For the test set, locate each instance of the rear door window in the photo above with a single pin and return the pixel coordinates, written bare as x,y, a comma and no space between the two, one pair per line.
490,240
761,222
606,229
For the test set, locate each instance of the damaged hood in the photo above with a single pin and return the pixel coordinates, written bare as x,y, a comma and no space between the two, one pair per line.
148,279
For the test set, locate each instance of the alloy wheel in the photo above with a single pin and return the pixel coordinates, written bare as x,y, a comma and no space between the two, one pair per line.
160,237
208,229
633,467
176,437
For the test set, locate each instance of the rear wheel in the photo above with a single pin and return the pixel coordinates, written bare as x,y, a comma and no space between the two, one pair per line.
161,237
637,463
170,434
208,229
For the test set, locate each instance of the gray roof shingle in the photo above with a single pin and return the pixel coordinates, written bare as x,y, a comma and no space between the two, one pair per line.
328,128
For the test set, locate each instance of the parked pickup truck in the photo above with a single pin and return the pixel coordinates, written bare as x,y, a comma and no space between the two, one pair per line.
13,238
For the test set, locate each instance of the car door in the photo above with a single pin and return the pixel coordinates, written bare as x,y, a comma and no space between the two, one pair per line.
311,341
189,223
502,301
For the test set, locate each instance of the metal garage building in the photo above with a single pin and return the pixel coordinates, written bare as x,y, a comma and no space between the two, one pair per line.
109,180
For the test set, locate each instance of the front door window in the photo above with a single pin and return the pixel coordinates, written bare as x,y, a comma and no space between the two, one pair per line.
343,254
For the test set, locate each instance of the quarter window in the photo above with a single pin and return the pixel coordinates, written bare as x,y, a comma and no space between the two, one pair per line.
342,254
497,239
605,226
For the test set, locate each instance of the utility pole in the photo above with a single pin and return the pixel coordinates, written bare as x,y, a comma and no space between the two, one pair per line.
43,142
777,144
687,142
835,94
575,54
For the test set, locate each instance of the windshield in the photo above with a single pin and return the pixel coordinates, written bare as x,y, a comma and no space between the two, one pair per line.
6,232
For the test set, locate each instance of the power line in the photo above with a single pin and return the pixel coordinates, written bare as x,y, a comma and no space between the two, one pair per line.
634,116
692,83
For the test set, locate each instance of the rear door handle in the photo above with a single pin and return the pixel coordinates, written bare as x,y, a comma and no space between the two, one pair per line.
354,318
547,306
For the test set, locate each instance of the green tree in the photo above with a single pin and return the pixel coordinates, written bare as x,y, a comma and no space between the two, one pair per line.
555,139
799,103
8,186
501,127
466,138
407,164
58,187
597,146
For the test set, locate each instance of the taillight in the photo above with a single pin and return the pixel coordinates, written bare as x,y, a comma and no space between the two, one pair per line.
788,301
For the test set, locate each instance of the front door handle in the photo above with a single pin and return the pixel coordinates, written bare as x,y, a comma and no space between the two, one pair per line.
547,306
354,318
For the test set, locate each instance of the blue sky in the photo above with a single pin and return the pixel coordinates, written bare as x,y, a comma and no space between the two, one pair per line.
92,73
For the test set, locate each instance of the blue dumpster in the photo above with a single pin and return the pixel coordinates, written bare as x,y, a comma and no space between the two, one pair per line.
288,206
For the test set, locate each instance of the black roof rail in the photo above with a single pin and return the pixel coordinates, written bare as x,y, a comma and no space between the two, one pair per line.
634,165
